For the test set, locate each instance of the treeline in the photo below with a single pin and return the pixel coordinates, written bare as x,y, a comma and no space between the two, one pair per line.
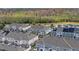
38,11
31,20
34,20
34,16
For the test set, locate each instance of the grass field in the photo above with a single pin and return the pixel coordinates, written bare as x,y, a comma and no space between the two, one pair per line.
74,23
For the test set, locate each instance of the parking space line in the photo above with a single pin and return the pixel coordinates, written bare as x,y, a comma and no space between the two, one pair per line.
67,43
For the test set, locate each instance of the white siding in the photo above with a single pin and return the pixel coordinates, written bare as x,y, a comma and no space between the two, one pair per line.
33,40
25,28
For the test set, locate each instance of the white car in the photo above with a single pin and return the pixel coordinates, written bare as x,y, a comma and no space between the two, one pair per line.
76,35
59,34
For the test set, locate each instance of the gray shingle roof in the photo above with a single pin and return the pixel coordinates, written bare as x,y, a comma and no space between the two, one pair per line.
21,36
15,26
40,27
11,48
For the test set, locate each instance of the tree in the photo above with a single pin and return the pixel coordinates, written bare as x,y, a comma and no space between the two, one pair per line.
52,26
2,26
